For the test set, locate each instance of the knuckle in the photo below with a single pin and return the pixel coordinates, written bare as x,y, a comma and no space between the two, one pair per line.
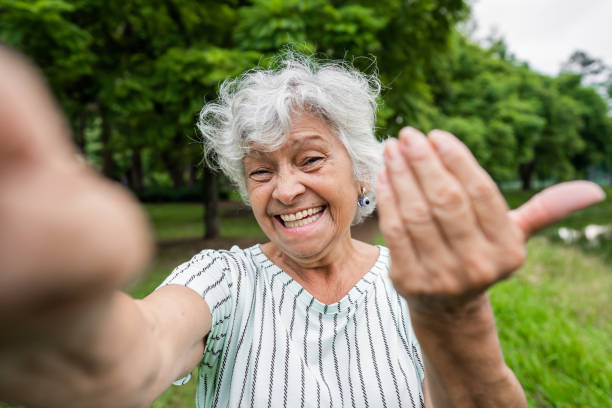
416,214
453,266
450,285
447,197
480,271
483,191
514,257
445,278
392,229
476,263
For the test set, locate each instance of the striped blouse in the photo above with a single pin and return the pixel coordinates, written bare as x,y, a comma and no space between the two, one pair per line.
272,344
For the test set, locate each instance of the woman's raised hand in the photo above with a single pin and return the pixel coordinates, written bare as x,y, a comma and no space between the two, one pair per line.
447,226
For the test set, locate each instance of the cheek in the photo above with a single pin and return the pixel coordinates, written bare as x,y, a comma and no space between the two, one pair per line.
344,200
260,196
259,202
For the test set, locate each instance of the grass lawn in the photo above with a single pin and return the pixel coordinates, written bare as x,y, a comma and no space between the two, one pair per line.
555,326
553,317
184,220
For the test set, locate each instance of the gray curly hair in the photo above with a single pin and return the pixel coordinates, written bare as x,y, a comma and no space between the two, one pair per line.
257,107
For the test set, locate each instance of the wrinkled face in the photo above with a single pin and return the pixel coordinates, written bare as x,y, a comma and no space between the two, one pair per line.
304,195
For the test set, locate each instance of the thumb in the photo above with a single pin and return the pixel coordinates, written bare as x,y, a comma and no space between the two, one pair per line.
555,203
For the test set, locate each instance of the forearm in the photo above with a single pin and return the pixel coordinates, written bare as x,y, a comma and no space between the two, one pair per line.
464,365
103,357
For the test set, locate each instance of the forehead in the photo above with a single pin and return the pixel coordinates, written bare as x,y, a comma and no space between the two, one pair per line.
306,131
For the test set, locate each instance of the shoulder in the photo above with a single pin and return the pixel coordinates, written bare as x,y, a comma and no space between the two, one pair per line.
384,260
209,262
216,274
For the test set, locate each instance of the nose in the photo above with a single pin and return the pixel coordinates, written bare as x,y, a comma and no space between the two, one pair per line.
288,187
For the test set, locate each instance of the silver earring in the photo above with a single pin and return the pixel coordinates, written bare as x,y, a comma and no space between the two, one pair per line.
363,200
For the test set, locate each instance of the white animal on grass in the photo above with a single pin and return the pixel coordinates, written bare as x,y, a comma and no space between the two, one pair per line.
593,232
569,235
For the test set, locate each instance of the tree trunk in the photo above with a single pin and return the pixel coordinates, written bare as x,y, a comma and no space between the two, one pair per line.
191,171
79,131
173,159
526,174
136,175
108,166
175,169
211,200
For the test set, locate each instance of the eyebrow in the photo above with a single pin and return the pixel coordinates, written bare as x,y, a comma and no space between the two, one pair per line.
256,153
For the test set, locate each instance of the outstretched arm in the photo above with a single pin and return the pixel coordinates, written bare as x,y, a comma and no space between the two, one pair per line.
451,236
68,241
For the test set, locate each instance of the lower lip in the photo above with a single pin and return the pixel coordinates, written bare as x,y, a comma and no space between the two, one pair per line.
302,229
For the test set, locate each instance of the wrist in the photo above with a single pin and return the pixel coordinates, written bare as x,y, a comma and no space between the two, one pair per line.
443,314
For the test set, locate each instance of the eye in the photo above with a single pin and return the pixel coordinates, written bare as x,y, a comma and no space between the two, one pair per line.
260,174
309,161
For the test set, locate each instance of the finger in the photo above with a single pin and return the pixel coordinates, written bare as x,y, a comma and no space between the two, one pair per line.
489,206
412,208
31,125
445,196
399,243
555,203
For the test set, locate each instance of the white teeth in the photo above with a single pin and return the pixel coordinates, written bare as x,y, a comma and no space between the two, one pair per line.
301,218
300,214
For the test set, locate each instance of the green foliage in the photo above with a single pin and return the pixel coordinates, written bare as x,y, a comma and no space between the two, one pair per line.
268,25
518,122
136,74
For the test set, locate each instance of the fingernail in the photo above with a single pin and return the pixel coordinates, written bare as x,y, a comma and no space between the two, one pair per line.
412,138
441,141
600,192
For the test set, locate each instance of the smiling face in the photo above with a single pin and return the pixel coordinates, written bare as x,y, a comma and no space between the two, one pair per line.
304,195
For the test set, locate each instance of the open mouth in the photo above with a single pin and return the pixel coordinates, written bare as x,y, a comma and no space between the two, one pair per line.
301,218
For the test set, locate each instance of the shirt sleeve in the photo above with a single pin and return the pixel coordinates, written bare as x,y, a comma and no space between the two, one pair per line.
209,274
416,354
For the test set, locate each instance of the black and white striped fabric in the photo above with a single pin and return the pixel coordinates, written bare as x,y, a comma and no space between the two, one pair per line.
272,344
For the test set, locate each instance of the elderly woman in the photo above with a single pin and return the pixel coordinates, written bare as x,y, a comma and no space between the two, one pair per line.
311,318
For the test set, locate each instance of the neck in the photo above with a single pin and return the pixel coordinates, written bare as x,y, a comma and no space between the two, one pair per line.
328,276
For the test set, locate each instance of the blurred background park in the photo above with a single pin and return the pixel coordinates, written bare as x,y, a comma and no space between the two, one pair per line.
132,75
